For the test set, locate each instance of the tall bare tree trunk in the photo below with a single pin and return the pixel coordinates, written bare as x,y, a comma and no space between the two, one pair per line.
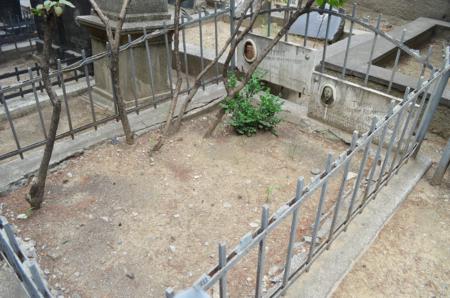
173,104
35,196
114,67
114,42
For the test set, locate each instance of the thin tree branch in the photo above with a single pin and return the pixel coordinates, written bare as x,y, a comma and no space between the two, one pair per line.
198,79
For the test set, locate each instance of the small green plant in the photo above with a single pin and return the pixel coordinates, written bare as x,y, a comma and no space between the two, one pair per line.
49,6
248,115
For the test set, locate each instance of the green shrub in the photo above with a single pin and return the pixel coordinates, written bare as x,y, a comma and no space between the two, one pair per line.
249,115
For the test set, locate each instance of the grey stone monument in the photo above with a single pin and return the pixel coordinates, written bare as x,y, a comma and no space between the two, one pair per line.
148,14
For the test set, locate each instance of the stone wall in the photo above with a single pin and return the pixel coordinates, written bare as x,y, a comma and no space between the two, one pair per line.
287,65
353,106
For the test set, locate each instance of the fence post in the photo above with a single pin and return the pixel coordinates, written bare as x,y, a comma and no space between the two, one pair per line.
232,14
442,166
432,105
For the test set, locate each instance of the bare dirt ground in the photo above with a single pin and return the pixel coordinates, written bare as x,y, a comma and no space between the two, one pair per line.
116,223
410,257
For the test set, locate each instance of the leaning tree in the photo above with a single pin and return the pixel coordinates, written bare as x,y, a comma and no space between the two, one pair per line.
49,11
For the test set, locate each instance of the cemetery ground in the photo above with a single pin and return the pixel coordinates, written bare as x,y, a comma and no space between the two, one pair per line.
117,222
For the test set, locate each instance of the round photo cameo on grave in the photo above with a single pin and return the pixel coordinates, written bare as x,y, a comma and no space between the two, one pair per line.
328,95
250,52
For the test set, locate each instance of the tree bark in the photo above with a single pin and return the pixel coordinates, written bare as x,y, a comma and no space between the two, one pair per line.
174,102
35,196
232,93
114,42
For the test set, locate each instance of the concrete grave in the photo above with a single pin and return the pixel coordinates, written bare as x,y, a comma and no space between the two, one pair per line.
317,25
141,14
287,64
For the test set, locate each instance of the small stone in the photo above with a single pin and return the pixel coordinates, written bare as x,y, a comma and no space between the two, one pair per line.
70,175
273,270
254,225
197,176
130,275
172,248
104,218
206,243
351,175
316,171
226,205
134,214
77,274
22,216
176,215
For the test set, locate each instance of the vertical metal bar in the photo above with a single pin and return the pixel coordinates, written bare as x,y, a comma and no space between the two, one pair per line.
186,67
286,17
349,40
431,109
222,263
66,104
305,38
442,166
251,16
38,105
341,190
216,41
18,80
232,14
397,59
377,154
89,89
202,62
319,211
294,224
133,74
409,106
150,68
11,124
269,19
389,149
360,173
261,252
169,58
369,63
418,112
324,52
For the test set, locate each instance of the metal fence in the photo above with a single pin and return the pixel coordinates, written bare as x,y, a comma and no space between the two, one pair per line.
82,71
377,154
16,28
407,129
28,271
